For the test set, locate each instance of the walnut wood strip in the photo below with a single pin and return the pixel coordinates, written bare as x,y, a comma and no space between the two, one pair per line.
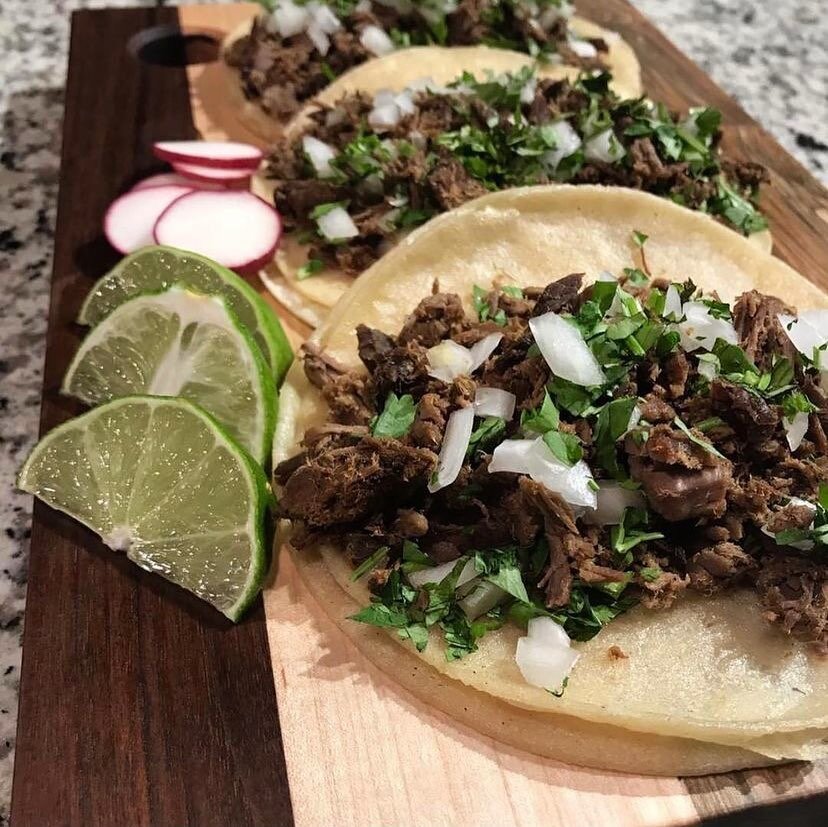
138,705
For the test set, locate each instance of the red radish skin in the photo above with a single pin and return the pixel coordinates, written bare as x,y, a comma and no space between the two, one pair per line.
213,175
214,154
236,229
163,179
130,219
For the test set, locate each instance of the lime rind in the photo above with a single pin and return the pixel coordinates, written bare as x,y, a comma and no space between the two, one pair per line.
158,268
75,433
135,374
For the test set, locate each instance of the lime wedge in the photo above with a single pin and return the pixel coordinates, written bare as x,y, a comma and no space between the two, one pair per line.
160,480
179,343
157,268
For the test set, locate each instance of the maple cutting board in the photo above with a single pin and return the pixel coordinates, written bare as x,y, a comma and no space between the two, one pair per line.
140,706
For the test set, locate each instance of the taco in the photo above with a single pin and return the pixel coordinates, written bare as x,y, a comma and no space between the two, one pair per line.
294,51
351,178
557,464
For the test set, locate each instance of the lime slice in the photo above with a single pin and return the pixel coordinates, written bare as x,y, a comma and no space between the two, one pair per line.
179,343
160,480
157,268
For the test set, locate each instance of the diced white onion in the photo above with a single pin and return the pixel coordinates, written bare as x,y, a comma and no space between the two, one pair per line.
795,429
453,451
533,458
805,336
545,656
437,574
448,360
319,39
363,6
635,418
376,41
701,329
324,18
582,48
405,102
382,118
574,483
527,93
483,598
494,402
707,367
604,147
289,19
672,303
482,350
552,12
605,275
567,141
320,155
565,350
337,224
613,499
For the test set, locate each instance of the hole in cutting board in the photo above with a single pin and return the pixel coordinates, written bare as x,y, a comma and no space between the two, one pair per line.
169,46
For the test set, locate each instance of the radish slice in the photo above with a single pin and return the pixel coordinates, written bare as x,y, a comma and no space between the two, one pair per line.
129,221
163,179
214,154
212,175
236,229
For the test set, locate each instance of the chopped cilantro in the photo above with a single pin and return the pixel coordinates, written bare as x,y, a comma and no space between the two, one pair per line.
500,567
709,424
566,447
639,238
630,532
796,402
323,209
702,443
542,419
310,268
650,573
370,563
613,422
396,418
492,429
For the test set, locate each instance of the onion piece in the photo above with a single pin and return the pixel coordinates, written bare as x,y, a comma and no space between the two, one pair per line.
672,303
567,141
527,93
512,456
323,17
574,483
795,429
337,224
319,39
613,499
483,598
448,360
605,275
582,48
482,350
453,451
437,574
320,155
545,657
376,41
494,402
802,332
604,147
565,350
533,458
289,19
701,329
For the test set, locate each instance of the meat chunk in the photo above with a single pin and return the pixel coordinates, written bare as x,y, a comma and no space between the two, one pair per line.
748,413
430,422
680,479
349,484
403,369
435,318
714,568
760,334
452,185
560,295
791,516
374,346
794,594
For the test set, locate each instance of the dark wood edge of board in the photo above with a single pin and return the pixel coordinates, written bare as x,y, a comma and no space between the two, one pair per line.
138,706
184,728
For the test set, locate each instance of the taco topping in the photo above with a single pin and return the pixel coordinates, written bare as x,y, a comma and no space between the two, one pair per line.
393,161
568,452
297,48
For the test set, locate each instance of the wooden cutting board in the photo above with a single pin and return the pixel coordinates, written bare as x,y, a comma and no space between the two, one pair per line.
139,706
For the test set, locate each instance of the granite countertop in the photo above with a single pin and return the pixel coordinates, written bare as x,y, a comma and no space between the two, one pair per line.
771,57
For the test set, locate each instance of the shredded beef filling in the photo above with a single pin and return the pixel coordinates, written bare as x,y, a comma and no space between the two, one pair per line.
709,457
456,147
280,74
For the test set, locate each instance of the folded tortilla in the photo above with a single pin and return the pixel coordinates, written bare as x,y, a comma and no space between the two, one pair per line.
707,685
442,64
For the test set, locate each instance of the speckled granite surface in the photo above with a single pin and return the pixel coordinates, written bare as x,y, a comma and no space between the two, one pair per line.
771,56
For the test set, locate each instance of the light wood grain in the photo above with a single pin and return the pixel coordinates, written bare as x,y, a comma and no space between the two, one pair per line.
362,751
